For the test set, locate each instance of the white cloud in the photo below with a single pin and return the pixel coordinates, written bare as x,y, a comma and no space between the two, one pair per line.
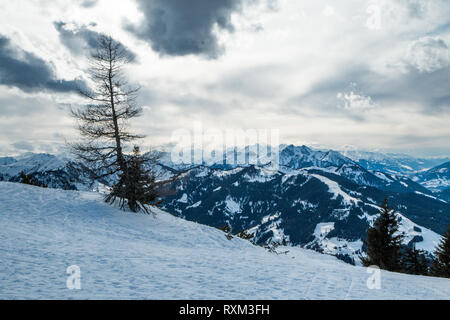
428,54
328,11
355,102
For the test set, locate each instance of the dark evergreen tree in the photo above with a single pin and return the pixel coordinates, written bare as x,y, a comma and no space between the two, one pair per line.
441,263
384,242
136,187
30,180
414,262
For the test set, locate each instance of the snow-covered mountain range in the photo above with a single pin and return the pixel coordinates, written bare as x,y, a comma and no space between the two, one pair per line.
394,163
317,199
315,208
437,179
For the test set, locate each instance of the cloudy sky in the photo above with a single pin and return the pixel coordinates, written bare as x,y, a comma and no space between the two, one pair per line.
373,75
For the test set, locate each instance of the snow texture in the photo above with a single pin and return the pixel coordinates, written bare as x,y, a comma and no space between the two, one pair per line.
135,256
336,190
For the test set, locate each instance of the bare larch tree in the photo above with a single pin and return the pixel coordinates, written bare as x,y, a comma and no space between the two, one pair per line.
104,122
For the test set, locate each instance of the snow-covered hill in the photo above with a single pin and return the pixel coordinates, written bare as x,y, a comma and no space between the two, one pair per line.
393,163
60,172
292,205
436,179
132,256
53,171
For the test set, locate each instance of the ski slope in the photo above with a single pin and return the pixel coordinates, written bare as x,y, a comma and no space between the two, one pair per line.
134,256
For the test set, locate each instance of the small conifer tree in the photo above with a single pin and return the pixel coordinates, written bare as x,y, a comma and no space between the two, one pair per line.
136,187
414,262
384,242
441,264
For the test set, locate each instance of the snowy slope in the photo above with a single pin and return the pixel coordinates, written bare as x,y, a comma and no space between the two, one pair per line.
6,161
57,171
393,163
436,179
129,256
290,205
50,170
30,162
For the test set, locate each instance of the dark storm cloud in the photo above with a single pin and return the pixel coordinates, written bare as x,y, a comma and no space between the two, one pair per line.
88,3
179,27
22,69
81,40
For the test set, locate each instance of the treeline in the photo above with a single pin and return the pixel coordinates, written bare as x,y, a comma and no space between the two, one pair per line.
385,249
30,180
